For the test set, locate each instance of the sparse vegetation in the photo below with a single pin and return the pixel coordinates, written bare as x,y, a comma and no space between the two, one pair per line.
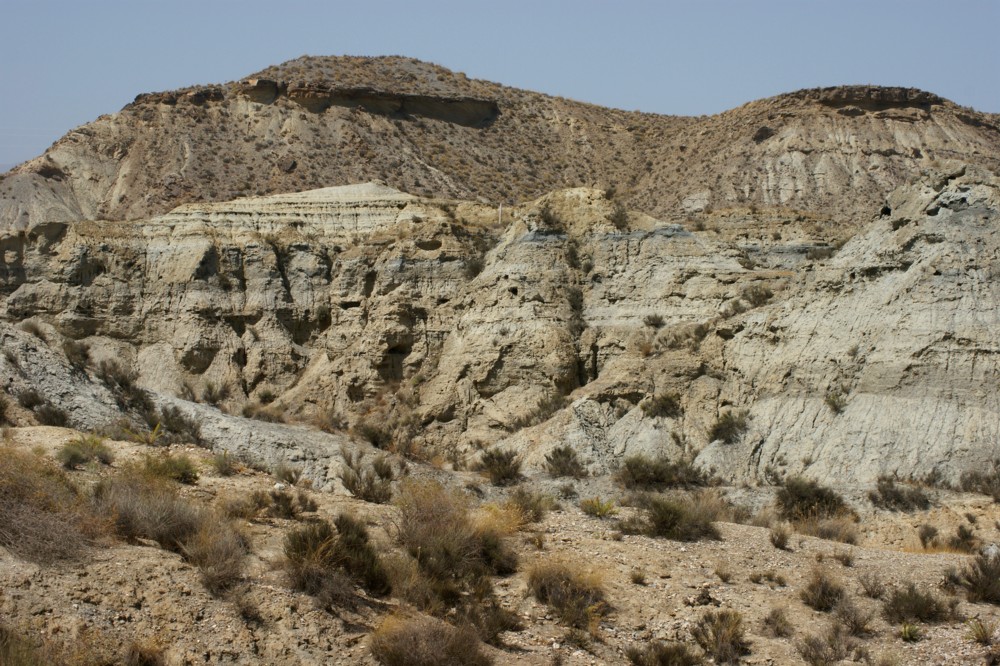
577,596
822,592
802,499
684,518
730,427
661,653
722,636
43,517
502,467
643,473
871,585
372,483
224,464
178,468
828,649
757,295
423,641
981,579
909,603
530,505
663,405
984,482
597,507
563,461
889,495
82,450
777,624
77,354
779,535
836,401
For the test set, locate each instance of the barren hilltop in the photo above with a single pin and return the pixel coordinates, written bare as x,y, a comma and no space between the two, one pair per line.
357,360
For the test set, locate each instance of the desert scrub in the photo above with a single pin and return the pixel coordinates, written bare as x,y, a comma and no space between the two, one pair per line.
502,467
777,624
371,483
147,506
179,468
721,635
641,472
82,450
318,557
597,507
730,427
800,498
563,461
905,604
43,517
423,641
680,518
224,464
663,405
822,591
779,535
981,579
577,596
531,506
888,495
661,653
983,482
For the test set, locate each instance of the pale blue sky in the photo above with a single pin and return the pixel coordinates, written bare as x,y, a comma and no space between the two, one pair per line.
63,63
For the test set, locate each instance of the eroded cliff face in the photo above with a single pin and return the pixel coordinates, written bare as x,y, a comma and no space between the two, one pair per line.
446,326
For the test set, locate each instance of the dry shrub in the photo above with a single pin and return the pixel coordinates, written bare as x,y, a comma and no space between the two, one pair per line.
146,506
888,495
837,528
871,585
286,473
423,641
576,595
563,461
721,635
179,428
984,482
822,592
531,505
856,620
730,427
502,467
219,551
905,604
435,528
43,517
981,579
828,649
50,415
224,464
644,473
779,535
680,518
804,499
372,483
82,450
661,653
777,624
179,468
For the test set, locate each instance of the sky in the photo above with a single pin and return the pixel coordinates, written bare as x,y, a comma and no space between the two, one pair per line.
64,63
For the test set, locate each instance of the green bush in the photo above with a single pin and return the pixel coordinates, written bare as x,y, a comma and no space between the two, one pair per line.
597,507
179,468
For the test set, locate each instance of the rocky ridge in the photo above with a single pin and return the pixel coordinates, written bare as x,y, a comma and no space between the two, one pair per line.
319,122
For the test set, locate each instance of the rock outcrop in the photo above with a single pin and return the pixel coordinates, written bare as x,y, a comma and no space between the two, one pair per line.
446,326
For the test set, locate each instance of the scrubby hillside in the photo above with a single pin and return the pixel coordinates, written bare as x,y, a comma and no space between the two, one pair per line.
319,122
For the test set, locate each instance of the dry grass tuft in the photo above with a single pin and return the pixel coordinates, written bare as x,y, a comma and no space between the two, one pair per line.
423,641
576,595
721,635
822,592
43,517
660,653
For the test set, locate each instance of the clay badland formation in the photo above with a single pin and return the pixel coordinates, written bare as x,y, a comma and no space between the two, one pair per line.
779,321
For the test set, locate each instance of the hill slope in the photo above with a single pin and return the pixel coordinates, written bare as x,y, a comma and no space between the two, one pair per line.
318,122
